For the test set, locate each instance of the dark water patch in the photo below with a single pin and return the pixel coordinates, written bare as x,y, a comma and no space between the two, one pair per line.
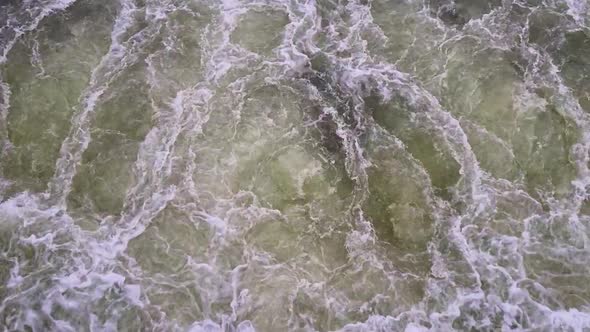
7,34
397,203
178,67
545,28
542,149
574,55
488,92
14,17
568,46
122,120
260,31
45,94
57,31
63,26
321,77
335,111
397,118
459,12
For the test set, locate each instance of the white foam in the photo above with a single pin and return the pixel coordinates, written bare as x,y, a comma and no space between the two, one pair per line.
578,9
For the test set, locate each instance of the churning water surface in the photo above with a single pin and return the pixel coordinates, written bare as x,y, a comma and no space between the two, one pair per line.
294,165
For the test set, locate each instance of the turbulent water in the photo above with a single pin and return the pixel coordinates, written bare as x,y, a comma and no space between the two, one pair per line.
294,165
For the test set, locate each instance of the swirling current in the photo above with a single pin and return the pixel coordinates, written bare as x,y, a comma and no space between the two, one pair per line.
294,165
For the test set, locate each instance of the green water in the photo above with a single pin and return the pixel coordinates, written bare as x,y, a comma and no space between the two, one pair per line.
327,165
